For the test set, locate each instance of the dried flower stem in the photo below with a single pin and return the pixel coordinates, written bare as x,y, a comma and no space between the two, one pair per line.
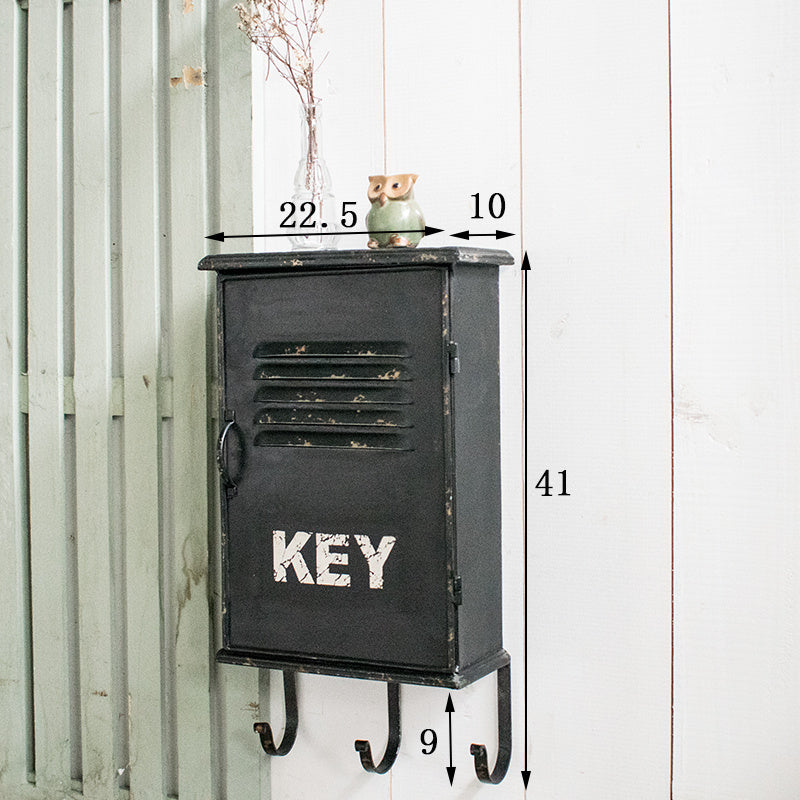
284,31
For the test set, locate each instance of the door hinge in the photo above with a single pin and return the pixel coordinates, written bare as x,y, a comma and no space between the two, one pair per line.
456,590
455,362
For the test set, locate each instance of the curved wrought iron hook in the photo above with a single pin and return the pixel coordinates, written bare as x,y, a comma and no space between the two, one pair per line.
478,751
393,742
264,730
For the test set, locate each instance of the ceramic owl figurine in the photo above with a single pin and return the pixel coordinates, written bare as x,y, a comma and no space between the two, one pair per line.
394,209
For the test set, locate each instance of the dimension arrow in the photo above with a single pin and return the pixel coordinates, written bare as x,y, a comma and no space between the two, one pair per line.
526,267
495,235
451,770
222,236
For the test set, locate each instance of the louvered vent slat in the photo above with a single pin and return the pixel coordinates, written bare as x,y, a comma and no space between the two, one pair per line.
306,349
331,369
314,393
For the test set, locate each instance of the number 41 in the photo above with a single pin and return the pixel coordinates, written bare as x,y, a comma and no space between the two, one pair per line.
544,484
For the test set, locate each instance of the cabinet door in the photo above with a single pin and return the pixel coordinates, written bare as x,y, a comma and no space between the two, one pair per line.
335,543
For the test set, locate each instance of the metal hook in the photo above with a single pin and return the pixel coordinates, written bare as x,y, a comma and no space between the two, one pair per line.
503,733
264,730
392,744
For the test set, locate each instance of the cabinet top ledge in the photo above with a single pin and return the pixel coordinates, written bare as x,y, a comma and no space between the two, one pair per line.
361,259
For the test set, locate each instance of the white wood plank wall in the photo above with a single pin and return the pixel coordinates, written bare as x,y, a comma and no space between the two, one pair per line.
108,112
736,144
648,154
596,211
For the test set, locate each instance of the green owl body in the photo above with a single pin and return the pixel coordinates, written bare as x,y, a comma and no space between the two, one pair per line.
394,209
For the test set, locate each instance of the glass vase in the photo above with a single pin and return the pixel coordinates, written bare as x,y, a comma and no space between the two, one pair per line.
315,211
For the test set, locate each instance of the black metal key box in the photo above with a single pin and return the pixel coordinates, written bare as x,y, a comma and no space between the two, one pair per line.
360,459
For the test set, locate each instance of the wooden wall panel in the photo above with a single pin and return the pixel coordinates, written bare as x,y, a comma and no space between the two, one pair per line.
736,112
15,706
596,220
188,480
93,391
48,526
125,171
141,265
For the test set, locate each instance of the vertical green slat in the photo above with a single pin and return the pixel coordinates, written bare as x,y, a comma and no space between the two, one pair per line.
116,451
46,395
70,461
93,393
230,191
141,351
189,476
14,703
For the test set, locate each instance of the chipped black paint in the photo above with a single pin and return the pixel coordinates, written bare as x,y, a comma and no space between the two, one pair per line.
365,389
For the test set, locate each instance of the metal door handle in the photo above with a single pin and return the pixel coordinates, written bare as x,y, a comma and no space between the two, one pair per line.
227,479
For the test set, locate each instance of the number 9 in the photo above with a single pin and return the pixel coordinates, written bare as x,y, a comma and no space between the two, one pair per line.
429,741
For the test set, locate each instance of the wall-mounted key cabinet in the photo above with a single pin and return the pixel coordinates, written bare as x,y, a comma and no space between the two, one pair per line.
360,457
